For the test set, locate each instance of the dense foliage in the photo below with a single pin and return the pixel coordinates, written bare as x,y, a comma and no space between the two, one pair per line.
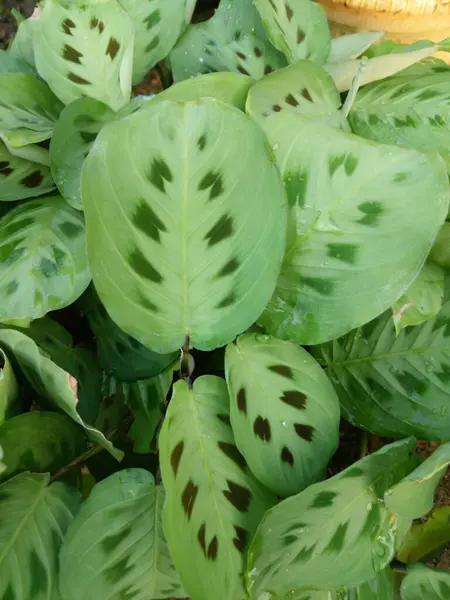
196,285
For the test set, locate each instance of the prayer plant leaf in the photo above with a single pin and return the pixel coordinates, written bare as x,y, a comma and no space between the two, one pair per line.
423,540
9,389
157,26
284,412
349,47
21,46
213,504
440,252
392,385
383,587
115,547
85,49
21,178
39,441
34,519
298,28
13,64
422,582
43,259
28,109
162,273
339,527
354,208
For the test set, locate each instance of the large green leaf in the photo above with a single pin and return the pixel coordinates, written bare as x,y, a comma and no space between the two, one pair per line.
21,46
213,504
34,518
413,497
333,534
422,583
120,355
48,380
43,259
284,412
383,587
85,49
423,540
354,208
440,252
162,272
39,441
115,547
392,385
9,63
28,109
157,26
8,387
20,178
298,28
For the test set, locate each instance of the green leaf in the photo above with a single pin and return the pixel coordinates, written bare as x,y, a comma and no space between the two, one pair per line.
163,274
440,252
298,28
213,503
422,582
303,89
39,441
383,587
337,527
28,109
13,64
424,539
409,111
43,260
349,47
422,300
392,385
9,389
347,259
2,464
157,26
85,49
49,380
413,497
284,412
120,355
34,519
20,178
21,46
115,547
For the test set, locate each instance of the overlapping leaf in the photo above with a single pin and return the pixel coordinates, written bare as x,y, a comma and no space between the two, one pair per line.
440,252
115,547
163,272
34,518
85,50
423,540
422,582
284,412
13,64
394,385
21,46
338,527
349,47
8,387
354,208
43,259
213,503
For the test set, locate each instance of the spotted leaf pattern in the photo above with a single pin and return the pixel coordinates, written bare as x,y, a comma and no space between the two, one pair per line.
394,385
284,412
21,178
423,582
85,50
162,273
43,260
115,547
338,526
298,28
354,205
34,519
213,502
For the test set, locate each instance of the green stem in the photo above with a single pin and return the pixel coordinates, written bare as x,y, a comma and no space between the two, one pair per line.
79,460
355,87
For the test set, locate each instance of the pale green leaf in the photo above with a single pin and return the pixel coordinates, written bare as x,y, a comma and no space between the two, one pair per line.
43,259
13,64
157,26
21,178
422,300
9,389
284,412
349,47
423,540
355,206
162,273
34,153
34,518
383,587
333,534
28,109
21,46
392,385
115,547
85,49
213,503
298,28
440,252
39,441
422,583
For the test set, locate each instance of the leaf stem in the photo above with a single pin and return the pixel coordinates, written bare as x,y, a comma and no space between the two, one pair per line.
354,88
90,452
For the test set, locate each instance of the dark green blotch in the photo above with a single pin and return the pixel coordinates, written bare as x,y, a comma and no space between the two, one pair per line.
372,521
291,100
220,231
239,496
305,554
306,95
399,177
323,500
240,541
406,122
437,121
70,230
334,162
444,375
188,498
412,384
67,25
159,174
77,79
374,120
300,35
276,108
224,418
289,539
153,19
38,576
282,370
33,180
9,594
427,94
296,185
261,428
243,70
153,44
350,164
257,51
337,541
72,55
88,137
442,322
378,391
233,454
306,432
146,220
353,472
142,267
444,589
5,168
242,401
319,284
117,571
11,287
227,301
273,5
113,541
113,48
48,267
372,212
344,252
9,255
230,267
201,143
214,182
294,398
403,89
175,457
287,456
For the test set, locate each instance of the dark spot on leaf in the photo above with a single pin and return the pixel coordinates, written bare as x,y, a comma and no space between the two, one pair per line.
113,48
112,542
319,284
88,137
258,52
268,69
239,496
374,120
427,95
230,267
273,5
289,539
70,230
296,185
276,108
287,456
241,55
147,221
201,142
77,79
188,498
101,27
67,25
159,174
220,231
344,252
444,375
242,401
71,54
334,162
233,453
305,554
139,263
372,522
153,44
240,541
93,24
372,212
212,549
408,121
350,164
290,99
213,181
289,12
412,384
442,322
153,19
201,536
48,268
323,500
5,169
261,428
337,541
242,70
117,571
227,301
300,35
32,180
224,418
282,370
352,472
175,457
11,287
294,398
306,432
399,177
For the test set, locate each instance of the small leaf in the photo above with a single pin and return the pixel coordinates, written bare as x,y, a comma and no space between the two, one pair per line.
422,582
8,387
440,252
425,539
21,47
349,47
115,547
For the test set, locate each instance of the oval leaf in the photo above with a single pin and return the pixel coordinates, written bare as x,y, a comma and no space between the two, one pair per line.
348,47
162,274
284,412
21,178
422,582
